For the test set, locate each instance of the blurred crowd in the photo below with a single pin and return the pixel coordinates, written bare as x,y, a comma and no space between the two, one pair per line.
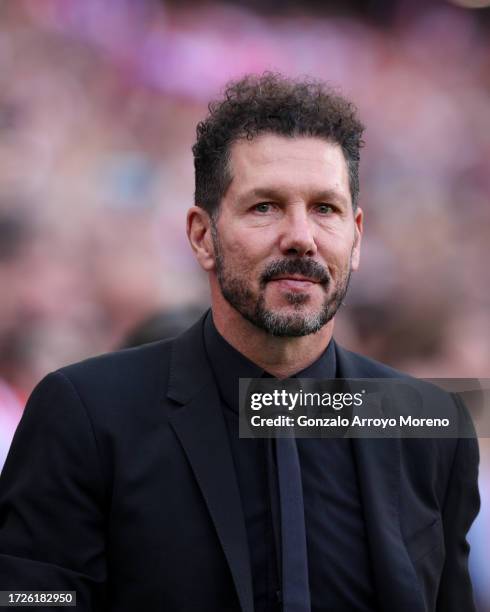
98,106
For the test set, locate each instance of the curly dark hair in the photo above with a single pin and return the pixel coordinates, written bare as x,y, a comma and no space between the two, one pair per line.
271,103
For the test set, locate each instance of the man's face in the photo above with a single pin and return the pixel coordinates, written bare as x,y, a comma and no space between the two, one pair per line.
286,238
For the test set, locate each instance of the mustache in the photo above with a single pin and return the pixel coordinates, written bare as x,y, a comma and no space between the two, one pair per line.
304,267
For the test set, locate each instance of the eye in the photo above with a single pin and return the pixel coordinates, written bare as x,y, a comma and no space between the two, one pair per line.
263,207
325,209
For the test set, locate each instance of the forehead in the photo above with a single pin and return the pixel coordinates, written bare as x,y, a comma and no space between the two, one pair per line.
294,164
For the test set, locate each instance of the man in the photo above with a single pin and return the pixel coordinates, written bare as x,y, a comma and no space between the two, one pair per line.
127,481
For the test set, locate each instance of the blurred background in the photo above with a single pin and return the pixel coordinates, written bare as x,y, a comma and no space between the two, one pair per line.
99,100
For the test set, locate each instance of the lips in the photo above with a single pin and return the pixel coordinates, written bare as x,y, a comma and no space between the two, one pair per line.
294,283
294,277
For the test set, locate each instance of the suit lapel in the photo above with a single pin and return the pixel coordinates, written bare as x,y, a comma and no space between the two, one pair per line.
201,429
378,464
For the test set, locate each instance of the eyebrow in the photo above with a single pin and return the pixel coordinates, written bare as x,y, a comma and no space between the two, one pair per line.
325,195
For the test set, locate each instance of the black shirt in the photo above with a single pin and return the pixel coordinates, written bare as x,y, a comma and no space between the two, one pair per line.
340,575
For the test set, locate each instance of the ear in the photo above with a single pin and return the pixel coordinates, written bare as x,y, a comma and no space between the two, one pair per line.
199,235
358,229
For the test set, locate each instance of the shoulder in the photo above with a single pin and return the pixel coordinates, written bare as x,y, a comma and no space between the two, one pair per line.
359,366
143,373
121,372
407,395
106,389
443,457
129,383
354,365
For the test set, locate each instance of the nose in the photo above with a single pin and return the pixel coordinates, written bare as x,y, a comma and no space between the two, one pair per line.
297,235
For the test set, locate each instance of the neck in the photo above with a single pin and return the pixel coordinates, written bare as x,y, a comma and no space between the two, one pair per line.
280,356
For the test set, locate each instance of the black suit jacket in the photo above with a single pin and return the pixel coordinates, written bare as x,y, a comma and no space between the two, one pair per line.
120,485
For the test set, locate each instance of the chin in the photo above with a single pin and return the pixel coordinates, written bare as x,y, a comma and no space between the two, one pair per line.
295,303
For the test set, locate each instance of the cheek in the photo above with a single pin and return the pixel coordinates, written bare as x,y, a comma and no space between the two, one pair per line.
247,248
237,261
337,255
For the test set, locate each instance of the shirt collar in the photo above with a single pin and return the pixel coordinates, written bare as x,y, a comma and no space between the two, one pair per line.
229,365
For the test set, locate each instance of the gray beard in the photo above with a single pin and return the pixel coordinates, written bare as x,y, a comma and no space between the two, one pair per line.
238,294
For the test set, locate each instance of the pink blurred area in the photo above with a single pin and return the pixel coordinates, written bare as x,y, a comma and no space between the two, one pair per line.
11,407
98,106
